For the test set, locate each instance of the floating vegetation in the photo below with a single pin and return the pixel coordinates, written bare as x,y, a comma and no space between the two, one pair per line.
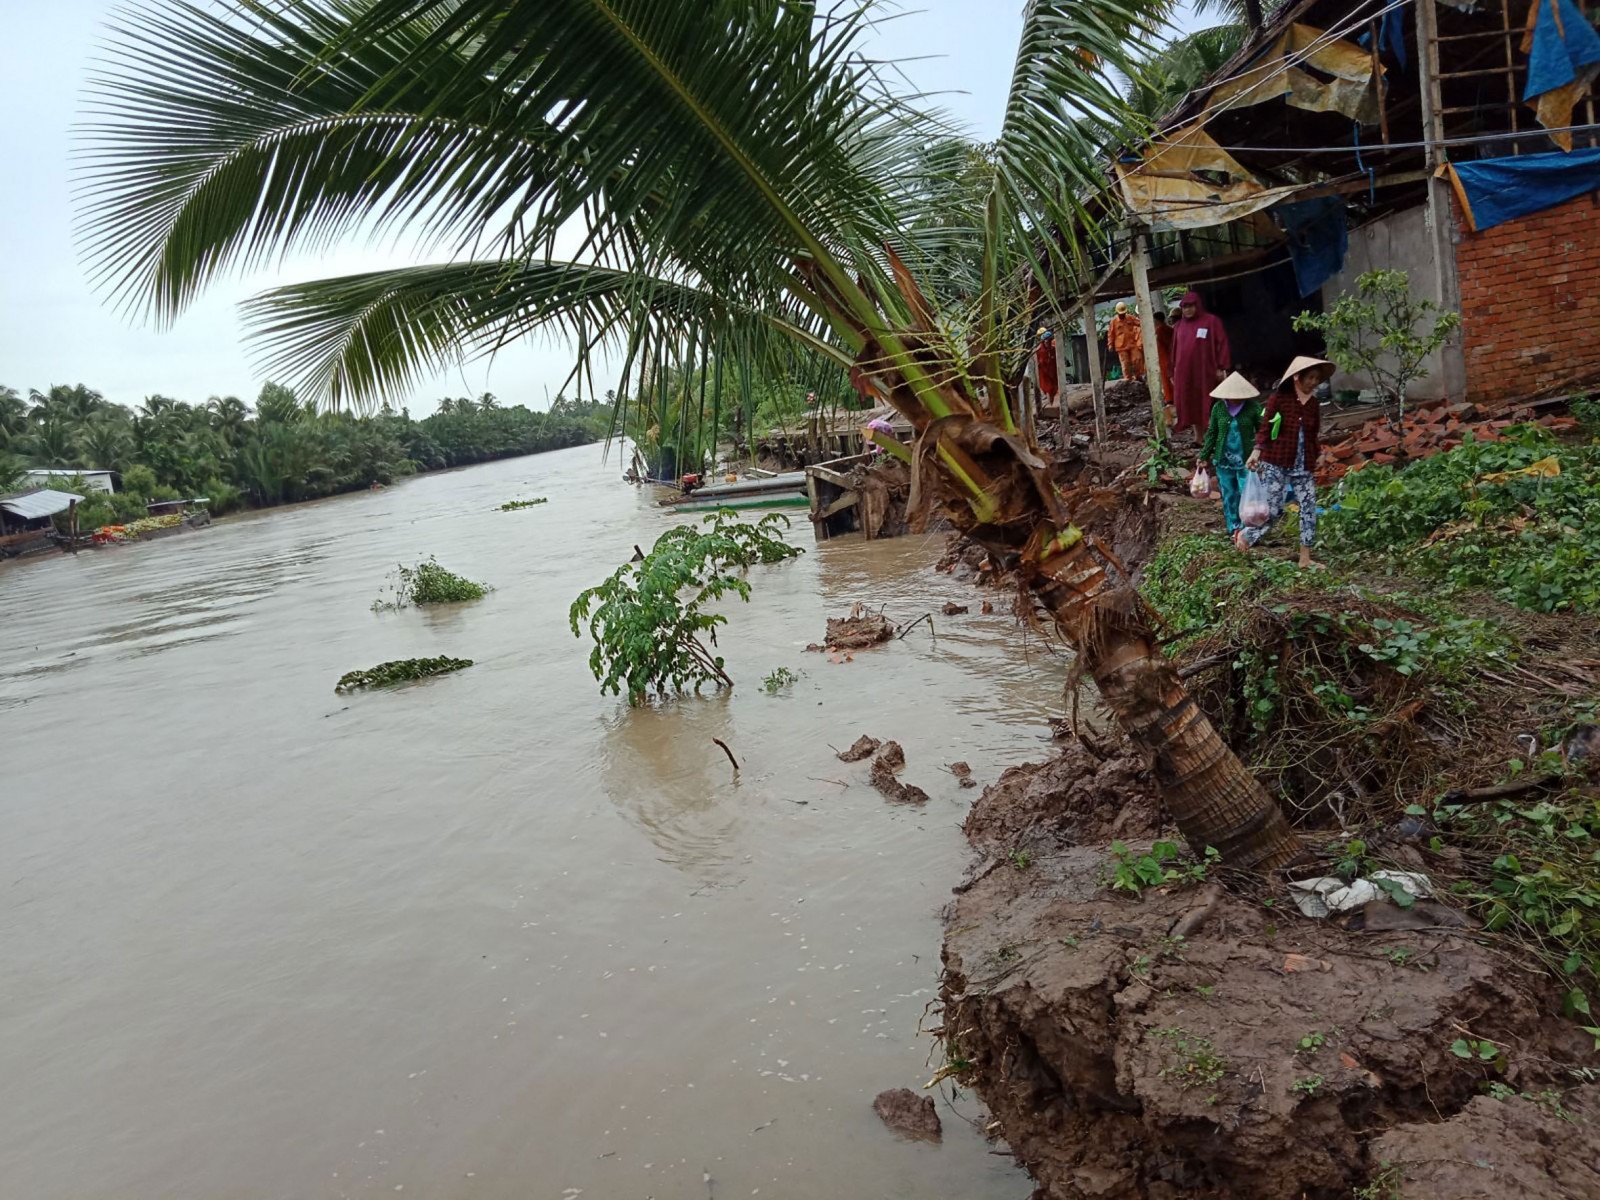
401,670
429,583
513,505
780,679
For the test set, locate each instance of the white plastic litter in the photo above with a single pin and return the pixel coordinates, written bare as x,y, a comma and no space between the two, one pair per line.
1329,894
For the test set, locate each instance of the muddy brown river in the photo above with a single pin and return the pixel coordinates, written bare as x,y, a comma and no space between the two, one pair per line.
493,936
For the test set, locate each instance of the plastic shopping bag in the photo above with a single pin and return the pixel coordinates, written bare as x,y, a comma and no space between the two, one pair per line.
1200,485
1255,503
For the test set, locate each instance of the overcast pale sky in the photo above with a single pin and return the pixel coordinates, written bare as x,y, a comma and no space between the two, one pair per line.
54,329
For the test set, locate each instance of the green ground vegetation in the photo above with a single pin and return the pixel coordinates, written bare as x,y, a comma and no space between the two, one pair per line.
282,451
1476,517
1383,696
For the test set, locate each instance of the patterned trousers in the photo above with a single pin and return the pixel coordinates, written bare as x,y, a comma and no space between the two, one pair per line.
1278,481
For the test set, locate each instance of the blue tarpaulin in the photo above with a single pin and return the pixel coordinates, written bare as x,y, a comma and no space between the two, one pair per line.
1563,57
1391,35
1564,43
1318,239
1496,190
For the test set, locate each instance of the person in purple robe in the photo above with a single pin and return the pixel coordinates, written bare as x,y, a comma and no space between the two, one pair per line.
1200,361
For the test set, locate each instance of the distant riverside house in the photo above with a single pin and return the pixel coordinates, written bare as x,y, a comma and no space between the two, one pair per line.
1455,140
27,518
100,481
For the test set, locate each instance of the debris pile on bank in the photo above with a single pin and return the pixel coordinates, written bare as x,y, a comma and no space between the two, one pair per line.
1425,432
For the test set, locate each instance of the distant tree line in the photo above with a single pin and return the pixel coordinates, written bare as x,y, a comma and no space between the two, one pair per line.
282,452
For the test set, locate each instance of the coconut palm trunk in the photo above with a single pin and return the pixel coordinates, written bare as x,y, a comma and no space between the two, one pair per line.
742,174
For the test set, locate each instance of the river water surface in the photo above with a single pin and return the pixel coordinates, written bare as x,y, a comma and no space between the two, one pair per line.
491,936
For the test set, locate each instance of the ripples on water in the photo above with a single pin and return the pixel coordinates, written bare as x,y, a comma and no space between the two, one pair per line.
492,935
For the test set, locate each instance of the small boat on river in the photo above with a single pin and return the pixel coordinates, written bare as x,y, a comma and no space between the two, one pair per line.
786,490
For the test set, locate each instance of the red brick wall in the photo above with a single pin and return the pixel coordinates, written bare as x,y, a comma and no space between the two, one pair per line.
1530,302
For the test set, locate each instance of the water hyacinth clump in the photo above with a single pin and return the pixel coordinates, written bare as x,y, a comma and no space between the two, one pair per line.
513,505
429,583
400,670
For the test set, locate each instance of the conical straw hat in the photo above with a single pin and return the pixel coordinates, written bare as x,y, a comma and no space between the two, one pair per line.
1234,387
1302,363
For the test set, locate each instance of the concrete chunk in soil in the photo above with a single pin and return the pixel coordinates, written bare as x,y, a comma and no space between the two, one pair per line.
908,1114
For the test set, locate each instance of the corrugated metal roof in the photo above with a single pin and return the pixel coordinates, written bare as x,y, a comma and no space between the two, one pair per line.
45,502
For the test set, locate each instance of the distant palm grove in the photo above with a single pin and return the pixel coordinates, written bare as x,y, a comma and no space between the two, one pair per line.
281,452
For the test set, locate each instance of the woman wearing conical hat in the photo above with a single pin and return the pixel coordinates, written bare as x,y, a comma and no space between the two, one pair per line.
1287,448
1230,437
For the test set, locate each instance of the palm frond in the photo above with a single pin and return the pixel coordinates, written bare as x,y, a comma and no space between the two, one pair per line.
381,333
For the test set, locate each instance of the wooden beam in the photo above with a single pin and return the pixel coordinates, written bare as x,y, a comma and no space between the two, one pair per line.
1140,264
1091,338
845,500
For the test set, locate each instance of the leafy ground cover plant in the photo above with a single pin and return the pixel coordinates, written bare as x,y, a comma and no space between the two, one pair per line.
648,619
400,670
429,583
1518,518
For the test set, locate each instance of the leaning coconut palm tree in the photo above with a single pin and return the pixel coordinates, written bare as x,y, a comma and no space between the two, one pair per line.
735,171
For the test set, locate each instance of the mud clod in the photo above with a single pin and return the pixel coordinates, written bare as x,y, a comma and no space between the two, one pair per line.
908,1114
858,630
963,774
862,747
952,609
885,767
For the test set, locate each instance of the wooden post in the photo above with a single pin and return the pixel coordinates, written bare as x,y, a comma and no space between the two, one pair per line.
72,524
1139,264
1440,218
1377,81
1091,338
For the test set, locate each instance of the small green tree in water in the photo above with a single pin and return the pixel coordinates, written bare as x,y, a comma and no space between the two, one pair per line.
647,619
1373,332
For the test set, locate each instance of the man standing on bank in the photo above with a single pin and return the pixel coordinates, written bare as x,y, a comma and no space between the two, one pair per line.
1126,339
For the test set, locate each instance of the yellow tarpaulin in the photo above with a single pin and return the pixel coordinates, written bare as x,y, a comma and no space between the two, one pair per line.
1350,92
1545,468
1186,181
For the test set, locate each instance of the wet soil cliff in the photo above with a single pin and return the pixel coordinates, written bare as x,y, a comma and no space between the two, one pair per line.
1201,1041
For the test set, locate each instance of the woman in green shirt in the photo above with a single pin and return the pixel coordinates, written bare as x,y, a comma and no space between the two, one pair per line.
1230,437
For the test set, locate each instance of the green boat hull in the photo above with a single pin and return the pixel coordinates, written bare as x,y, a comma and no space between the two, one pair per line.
781,500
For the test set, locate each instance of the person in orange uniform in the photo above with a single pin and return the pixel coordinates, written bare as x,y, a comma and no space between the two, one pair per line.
1127,340
1045,355
1164,353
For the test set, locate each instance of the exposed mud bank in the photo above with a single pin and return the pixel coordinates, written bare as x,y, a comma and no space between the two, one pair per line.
1199,1042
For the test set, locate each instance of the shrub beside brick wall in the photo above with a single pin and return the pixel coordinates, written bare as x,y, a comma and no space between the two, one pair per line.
1530,302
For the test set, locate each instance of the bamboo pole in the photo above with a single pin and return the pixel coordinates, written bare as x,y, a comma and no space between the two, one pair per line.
1139,264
